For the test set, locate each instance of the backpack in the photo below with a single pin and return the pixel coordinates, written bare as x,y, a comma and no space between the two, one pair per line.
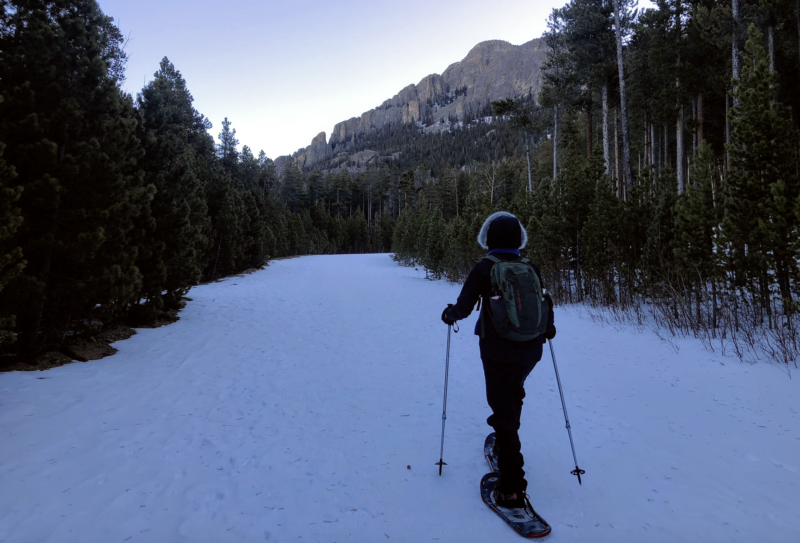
517,308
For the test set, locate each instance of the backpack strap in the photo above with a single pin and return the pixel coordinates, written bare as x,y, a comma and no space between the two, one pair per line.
494,260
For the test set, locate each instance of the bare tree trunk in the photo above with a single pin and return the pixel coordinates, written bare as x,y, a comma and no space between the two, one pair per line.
727,132
606,142
616,155
555,145
771,45
694,120
700,119
626,148
455,184
527,157
735,45
665,156
589,126
653,146
694,144
680,151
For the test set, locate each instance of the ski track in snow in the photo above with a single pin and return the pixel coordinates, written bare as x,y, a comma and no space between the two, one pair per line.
286,405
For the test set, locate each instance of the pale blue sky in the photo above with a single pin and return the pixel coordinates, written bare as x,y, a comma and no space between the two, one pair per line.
284,71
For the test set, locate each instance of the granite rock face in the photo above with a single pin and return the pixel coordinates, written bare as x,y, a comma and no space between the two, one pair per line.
492,70
317,152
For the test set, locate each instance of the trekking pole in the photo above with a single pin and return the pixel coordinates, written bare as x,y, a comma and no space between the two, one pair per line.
441,462
577,471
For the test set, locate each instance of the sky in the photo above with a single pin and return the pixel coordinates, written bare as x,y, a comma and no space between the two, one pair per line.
284,71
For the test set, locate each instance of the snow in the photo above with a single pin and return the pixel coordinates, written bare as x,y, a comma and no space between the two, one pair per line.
286,405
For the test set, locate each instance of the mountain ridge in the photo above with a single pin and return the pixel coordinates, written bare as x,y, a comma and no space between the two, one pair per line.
491,70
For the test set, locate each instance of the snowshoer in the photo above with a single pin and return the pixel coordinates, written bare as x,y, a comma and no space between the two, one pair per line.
509,349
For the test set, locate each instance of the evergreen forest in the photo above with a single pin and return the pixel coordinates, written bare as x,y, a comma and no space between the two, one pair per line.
661,180
114,206
657,173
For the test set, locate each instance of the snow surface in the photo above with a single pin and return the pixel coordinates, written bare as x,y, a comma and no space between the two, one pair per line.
286,406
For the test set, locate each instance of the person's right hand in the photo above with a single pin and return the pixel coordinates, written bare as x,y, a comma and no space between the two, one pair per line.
446,318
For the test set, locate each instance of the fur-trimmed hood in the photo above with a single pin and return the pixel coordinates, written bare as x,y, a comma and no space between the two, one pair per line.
484,233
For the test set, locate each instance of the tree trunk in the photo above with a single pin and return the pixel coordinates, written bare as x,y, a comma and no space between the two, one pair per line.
735,45
555,145
700,119
653,147
616,155
680,150
771,45
694,144
727,132
797,15
527,158
589,130
606,139
694,132
626,148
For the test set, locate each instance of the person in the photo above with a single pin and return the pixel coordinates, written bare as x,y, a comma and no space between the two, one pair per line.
506,363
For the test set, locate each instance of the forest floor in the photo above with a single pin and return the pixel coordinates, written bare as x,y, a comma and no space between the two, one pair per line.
303,402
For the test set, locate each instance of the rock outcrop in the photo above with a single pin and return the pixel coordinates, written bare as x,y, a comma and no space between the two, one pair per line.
492,70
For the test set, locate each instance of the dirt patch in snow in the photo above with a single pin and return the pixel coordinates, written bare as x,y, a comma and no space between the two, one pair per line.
83,349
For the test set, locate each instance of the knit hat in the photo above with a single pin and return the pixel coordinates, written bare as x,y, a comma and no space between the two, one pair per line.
502,230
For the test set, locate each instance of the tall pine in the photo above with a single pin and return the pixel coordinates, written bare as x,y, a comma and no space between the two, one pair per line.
179,240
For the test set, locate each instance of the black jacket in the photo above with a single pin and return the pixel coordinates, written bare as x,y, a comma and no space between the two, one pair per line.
493,347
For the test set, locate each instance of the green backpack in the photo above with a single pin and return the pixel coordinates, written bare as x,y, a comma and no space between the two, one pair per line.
517,308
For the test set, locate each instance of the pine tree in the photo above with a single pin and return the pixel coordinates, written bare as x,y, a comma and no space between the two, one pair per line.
760,225
179,242
226,148
696,220
11,261
602,243
71,136
405,188
292,187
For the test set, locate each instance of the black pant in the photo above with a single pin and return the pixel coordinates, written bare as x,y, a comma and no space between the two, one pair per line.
505,391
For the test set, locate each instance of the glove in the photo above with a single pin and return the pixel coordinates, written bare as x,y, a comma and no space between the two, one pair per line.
446,318
550,333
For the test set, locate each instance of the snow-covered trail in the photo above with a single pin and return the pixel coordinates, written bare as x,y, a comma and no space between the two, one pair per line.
287,405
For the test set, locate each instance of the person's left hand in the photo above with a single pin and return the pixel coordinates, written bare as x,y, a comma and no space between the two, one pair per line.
446,318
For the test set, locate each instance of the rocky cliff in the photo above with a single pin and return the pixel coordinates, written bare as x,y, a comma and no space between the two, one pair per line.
492,70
